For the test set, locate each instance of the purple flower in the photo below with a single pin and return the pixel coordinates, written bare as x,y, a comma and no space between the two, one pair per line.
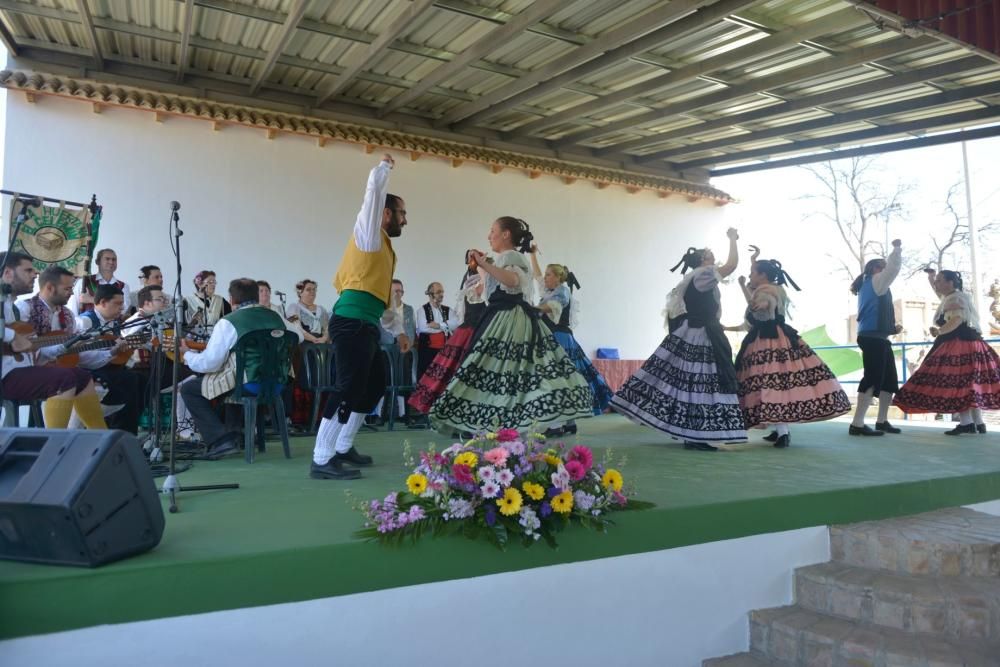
515,447
583,500
553,492
544,509
490,513
490,489
416,513
505,477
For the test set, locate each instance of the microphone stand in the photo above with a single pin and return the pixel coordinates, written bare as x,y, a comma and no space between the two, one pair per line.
5,289
170,485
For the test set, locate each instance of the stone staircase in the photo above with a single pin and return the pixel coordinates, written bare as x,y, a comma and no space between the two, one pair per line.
916,591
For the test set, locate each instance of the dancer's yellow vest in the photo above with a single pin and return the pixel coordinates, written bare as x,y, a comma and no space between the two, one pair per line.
364,273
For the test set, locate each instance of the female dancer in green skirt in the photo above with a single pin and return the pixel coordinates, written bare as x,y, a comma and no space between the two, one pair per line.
516,375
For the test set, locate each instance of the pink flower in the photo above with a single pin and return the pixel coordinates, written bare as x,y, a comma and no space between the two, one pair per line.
497,456
507,434
576,470
462,473
619,498
583,455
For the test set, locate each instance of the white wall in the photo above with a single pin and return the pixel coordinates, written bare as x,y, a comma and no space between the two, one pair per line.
665,608
281,210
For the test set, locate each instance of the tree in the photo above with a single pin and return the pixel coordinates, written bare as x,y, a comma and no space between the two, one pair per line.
853,196
955,234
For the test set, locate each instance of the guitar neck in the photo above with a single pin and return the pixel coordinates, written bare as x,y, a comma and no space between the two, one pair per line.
133,341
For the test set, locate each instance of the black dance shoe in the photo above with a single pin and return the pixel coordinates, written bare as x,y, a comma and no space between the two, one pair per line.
962,428
771,437
553,432
862,430
352,456
783,441
227,444
332,469
569,429
886,427
700,446
980,428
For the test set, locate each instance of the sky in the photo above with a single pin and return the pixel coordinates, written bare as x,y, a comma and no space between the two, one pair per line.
774,214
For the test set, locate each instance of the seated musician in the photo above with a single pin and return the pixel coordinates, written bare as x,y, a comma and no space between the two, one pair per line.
149,275
62,389
216,365
151,300
205,305
125,387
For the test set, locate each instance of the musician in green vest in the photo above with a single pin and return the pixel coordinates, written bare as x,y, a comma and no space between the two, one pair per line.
216,364
363,281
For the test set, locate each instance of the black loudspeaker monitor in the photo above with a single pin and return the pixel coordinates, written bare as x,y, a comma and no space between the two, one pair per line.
75,497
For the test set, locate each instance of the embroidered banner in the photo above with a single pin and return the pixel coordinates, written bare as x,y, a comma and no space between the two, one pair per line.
57,235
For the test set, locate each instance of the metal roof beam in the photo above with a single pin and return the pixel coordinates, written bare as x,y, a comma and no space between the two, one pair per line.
782,107
492,41
400,25
499,17
984,114
910,144
287,31
182,54
8,40
854,57
905,106
248,11
611,39
761,48
683,26
83,9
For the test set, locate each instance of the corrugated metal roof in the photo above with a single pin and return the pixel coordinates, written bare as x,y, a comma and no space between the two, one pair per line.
702,67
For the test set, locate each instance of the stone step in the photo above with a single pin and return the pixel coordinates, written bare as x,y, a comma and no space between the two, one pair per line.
792,635
960,607
949,542
736,660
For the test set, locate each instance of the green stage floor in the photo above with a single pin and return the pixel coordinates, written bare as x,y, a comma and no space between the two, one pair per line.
283,537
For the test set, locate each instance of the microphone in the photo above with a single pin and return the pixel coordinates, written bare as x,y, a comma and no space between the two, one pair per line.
277,293
175,206
73,340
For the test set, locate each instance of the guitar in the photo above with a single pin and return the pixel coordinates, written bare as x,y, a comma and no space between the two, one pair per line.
130,343
37,342
168,344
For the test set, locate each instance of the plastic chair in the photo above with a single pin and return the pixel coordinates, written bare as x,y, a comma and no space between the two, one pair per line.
272,350
317,359
400,383
12,413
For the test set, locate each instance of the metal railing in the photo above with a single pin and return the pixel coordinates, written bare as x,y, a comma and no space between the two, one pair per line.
903,347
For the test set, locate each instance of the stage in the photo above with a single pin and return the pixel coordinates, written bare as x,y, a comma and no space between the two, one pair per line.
283,537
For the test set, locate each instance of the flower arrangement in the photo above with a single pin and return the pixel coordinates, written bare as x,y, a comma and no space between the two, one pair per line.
500,487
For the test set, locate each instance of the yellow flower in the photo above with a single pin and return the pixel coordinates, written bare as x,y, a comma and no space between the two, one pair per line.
553,460
534,491
467,459
612,478
510,503
563,503
491,436
416,483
